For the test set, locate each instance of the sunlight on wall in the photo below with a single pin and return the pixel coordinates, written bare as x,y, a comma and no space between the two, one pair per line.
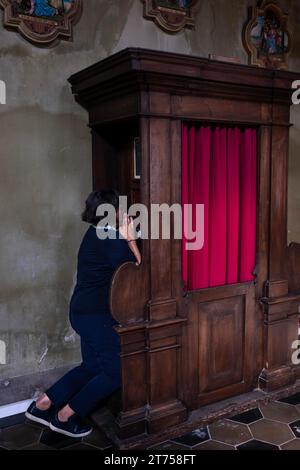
2,92
2,353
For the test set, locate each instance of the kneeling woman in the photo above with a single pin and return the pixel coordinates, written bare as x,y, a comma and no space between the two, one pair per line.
79,392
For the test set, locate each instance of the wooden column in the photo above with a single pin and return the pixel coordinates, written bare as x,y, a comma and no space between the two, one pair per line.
281,308
165,329
132,420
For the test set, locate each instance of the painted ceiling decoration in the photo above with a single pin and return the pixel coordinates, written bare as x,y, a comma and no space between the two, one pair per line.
172,16
266,36
42,22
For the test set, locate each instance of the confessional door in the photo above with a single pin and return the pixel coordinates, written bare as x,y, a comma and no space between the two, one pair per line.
220,347
219,344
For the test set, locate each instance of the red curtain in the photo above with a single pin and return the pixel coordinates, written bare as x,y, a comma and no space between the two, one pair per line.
219,171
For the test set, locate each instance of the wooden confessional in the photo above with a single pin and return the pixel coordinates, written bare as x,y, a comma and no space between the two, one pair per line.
181,350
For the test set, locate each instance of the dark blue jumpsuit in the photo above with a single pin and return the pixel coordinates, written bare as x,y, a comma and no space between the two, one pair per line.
99,374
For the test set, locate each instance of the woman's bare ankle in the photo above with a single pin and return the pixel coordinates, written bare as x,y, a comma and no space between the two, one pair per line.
43,403
65,413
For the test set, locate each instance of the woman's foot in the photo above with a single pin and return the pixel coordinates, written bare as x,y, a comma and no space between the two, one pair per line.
73,427
34,413
43,403
65,414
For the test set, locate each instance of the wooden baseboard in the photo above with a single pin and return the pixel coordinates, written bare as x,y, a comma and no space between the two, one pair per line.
271,380
195,419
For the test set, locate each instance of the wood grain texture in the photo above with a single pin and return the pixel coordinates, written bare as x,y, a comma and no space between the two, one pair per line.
181,350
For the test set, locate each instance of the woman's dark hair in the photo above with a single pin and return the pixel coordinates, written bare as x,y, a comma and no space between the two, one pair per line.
94,200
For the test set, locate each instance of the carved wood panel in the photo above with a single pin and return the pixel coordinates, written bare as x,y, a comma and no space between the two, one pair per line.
219,343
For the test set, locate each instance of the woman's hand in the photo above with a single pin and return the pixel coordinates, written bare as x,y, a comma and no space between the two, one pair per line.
128,232
127,228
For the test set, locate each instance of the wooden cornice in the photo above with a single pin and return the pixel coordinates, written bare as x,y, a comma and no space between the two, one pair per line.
134,70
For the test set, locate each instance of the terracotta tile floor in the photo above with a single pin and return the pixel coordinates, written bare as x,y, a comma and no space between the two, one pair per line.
275,426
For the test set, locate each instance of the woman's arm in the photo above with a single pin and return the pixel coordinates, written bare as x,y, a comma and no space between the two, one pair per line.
135,250
128,233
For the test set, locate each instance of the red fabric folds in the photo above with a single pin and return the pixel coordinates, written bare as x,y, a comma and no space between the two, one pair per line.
219,171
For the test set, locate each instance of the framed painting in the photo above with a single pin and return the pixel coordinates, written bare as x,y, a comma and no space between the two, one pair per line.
171,15
42,22
266,36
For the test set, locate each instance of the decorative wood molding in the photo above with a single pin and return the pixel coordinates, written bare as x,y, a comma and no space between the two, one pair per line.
172,16
266,37
30,19
158,71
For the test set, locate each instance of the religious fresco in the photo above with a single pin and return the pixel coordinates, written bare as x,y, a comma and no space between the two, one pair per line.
172,16
42,22
43,8
174,3
266,37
